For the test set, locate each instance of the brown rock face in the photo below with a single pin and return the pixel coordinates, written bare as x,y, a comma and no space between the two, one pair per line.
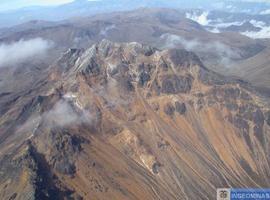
180,108
127,121
173,84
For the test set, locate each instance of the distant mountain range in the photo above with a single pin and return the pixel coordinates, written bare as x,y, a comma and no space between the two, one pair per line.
161,28
86,8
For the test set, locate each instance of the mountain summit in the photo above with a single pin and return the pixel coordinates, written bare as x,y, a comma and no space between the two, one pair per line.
128,121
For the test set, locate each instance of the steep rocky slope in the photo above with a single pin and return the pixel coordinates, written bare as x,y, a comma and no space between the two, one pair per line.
127,121
254,69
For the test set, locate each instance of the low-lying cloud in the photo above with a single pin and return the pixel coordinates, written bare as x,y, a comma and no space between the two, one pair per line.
199,18
104,32
64,113
265,12
12,54
223,52
211,25
264,31
217,25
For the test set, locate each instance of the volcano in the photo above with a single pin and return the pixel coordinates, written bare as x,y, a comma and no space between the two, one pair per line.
129,121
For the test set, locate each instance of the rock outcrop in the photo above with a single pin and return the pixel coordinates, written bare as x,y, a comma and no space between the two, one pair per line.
127,121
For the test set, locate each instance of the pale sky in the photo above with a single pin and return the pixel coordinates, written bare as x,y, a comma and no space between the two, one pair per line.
14,4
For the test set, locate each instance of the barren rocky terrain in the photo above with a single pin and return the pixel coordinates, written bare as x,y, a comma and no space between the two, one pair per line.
130,121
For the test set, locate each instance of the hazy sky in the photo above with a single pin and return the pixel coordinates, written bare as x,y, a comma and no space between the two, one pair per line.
14,4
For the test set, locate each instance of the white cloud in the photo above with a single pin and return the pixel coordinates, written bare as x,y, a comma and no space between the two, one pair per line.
63,114
265,12
259,24
213,25
23,50
200,18
263,33
225,25
213,30
105,31
224,53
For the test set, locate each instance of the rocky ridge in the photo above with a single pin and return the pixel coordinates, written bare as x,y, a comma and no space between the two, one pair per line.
128,121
